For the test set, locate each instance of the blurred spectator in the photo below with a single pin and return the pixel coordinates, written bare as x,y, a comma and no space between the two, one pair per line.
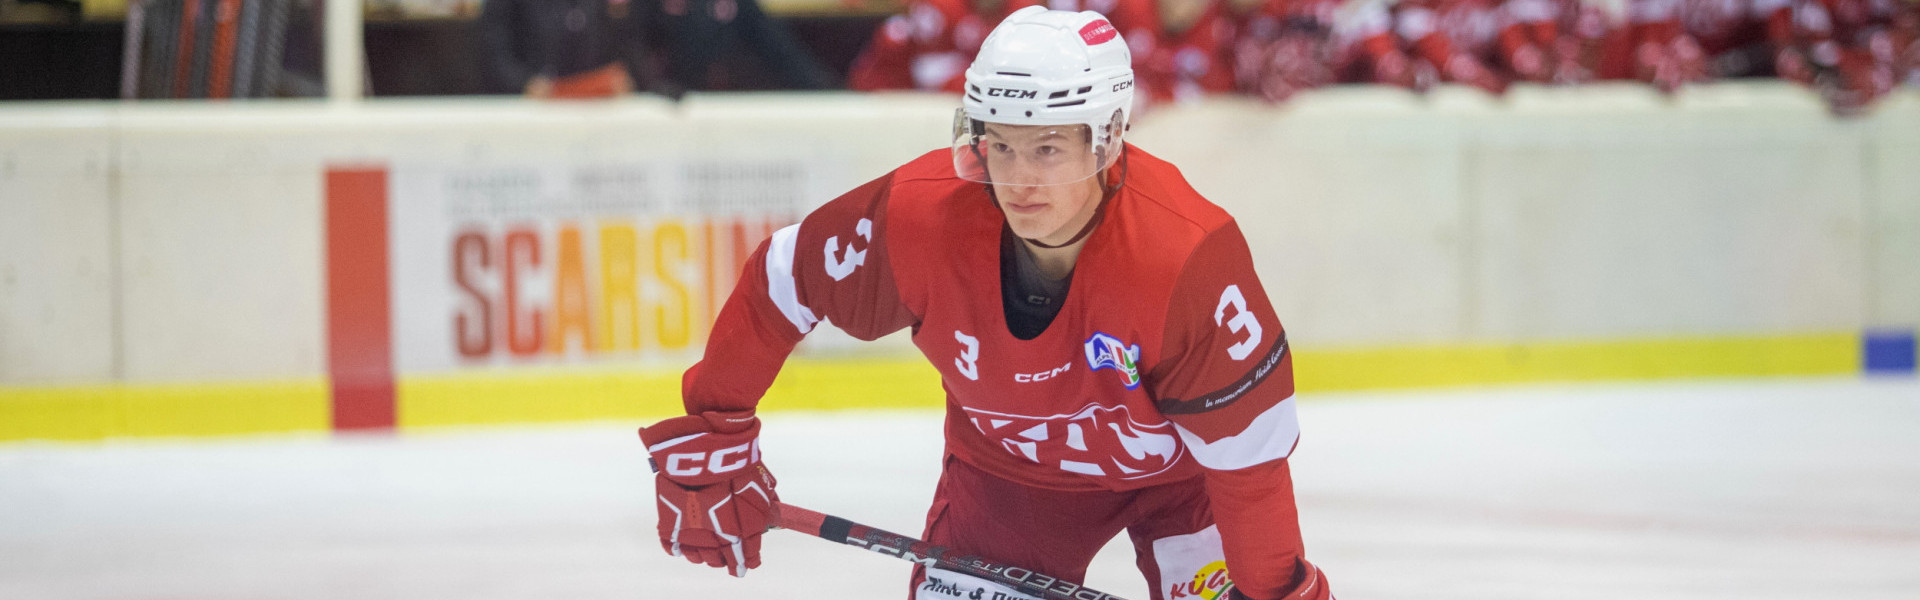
1652,46
39,11
929,46
1850,51
1733,35
565,48
1379,56
1285,46
1529,36
1275,54
696,35
1583,28
1546,41
1106,7
227,49
1906,38
1182,49
1456,38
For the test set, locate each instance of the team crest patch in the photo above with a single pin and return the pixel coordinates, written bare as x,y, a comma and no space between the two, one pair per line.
1108,352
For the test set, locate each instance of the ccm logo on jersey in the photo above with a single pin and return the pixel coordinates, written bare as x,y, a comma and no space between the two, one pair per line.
1043,375
1012,93
691,464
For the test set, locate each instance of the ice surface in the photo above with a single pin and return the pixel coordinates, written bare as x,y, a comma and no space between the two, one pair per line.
1790,489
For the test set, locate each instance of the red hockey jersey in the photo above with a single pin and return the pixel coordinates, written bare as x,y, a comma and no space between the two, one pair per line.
1165,361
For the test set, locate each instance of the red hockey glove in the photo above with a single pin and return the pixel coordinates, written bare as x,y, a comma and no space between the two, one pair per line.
715,497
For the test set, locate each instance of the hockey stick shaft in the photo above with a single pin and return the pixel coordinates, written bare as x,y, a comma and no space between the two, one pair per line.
836,529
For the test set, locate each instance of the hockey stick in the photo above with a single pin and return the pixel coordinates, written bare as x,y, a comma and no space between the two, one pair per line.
836,529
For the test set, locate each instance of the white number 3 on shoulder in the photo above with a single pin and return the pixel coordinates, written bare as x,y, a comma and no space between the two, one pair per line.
842,265
1243,320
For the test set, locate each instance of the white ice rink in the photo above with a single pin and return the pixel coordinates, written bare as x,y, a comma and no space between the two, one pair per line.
1796,489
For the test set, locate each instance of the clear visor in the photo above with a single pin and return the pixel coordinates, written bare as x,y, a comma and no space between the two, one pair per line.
1030,155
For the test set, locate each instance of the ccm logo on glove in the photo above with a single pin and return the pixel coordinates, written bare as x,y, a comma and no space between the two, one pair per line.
688,464
715,499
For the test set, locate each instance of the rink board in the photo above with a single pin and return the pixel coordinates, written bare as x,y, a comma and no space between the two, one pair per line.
98,412
1605,233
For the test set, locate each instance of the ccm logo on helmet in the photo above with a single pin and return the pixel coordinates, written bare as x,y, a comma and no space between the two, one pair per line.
688,464
1012,93
1123,85
1097,32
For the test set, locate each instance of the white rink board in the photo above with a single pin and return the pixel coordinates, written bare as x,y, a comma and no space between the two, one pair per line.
195,251
1759,491
56,249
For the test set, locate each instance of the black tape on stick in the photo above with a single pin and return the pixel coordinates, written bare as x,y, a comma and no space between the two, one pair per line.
835,528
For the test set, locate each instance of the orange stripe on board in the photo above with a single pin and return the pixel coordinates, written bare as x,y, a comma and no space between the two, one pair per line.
359,326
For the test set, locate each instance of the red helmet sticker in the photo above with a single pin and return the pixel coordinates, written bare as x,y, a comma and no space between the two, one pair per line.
1098,32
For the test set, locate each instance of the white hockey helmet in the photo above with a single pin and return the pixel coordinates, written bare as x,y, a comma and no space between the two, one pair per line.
1048,68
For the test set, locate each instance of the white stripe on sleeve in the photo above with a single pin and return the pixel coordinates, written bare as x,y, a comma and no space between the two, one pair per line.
1269,437
781,287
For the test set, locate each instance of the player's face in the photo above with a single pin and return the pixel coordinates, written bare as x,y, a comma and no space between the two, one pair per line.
1025,161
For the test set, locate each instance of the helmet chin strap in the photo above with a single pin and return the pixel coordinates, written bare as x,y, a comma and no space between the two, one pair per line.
1099,211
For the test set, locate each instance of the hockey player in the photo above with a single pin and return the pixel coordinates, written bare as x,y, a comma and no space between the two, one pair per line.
1110,360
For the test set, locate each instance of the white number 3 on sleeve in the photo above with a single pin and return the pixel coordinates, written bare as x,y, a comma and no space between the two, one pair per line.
839,267
1243,320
